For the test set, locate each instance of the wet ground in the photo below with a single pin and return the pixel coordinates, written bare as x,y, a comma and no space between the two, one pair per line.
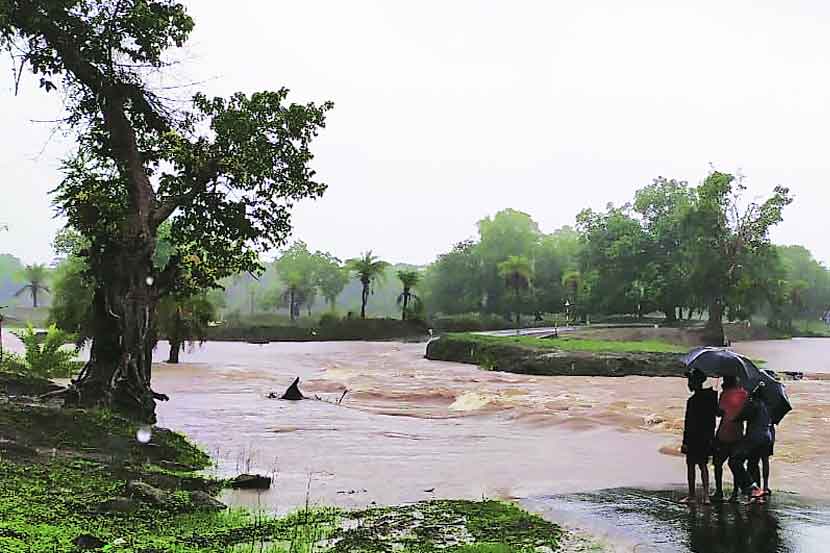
653,521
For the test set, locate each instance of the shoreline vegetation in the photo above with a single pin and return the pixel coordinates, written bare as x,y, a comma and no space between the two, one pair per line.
73,480
563,356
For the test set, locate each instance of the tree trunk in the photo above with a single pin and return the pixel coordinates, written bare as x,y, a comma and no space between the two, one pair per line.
175,338
175,348
34,297
671,314
713,333
364,300
405,304
118,373
291,304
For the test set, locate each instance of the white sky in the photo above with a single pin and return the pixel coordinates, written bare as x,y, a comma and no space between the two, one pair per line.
450,111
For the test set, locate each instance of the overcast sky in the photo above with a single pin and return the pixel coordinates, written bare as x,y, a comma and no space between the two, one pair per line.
448,111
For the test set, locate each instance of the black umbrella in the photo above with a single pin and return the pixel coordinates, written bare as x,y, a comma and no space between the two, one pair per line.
774,394
718,362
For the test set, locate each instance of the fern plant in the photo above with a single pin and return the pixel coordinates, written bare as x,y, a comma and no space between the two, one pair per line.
47,356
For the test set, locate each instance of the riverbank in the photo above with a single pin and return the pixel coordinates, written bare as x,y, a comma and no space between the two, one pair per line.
562,356
81,480
336,330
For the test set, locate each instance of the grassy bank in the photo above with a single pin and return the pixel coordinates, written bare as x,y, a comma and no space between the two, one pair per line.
337,330
559,356
75,480
567,343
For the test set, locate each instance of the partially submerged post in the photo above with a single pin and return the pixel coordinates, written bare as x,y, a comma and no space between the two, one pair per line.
293,392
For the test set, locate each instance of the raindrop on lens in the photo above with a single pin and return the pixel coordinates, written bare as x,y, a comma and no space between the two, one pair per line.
149,280
144,434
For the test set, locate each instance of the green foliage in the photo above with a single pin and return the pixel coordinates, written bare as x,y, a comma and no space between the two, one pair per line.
297,269
331,277
10,270
12,362
186,319
72,294
329,319
46,355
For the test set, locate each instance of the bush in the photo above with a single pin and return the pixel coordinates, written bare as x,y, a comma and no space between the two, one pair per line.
46,355
470,322
329,319
12,363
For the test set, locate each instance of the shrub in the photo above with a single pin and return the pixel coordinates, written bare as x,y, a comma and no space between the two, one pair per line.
329,319
46,355
12,363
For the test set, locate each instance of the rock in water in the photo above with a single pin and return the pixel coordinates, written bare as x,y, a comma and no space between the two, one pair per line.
293,392
250,482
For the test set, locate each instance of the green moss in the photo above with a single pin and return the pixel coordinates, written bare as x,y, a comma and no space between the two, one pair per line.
564,343
448,526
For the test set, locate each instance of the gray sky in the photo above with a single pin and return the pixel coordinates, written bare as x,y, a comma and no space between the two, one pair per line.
449,111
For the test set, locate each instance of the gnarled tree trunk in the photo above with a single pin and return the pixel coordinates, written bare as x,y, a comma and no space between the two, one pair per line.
120,367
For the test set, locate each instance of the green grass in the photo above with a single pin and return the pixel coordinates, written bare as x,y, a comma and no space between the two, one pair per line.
811,329
565,343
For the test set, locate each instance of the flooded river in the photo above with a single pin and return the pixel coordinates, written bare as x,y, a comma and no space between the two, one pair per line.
409,429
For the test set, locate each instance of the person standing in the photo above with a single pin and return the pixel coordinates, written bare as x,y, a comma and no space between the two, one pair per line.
754,446
698,433
730,431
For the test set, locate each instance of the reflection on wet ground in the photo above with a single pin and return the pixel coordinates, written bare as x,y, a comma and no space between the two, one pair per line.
651,521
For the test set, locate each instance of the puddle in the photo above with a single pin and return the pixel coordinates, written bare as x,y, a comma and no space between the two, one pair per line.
651,521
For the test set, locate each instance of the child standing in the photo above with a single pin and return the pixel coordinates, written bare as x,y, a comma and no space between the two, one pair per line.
729,432
698,433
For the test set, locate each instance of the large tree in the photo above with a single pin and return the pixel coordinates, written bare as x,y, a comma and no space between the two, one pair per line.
225,173
729,235
517,272
331,277
508,232
663,207
297,269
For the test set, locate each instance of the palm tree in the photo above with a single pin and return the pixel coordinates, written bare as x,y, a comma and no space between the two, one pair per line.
516,272
409,279
35,276
367,269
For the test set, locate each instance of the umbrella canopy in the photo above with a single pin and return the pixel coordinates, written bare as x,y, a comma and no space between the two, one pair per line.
718,362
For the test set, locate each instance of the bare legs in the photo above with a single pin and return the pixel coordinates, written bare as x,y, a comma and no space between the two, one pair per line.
691,475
